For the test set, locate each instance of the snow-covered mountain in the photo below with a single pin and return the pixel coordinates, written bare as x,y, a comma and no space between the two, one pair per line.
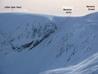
31,44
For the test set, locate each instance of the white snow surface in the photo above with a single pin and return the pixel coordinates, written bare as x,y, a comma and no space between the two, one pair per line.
33,44
88,66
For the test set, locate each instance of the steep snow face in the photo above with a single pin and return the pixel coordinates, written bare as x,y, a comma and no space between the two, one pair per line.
24,31
30,36
88,66
45,42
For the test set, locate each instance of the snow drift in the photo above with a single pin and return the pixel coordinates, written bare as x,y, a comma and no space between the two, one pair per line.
88,66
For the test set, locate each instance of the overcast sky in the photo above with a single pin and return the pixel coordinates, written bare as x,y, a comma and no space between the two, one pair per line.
50,6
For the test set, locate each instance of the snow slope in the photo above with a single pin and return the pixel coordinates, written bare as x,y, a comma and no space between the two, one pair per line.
30,44
88,66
